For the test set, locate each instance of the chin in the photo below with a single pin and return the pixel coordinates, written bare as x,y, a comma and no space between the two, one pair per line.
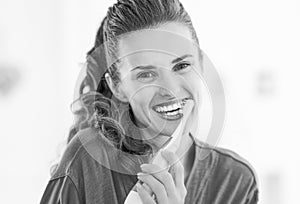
162,126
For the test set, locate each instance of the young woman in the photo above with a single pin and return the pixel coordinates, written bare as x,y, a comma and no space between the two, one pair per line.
140,75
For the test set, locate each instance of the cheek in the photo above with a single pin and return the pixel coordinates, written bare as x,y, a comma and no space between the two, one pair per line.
194,85
141,100
193,80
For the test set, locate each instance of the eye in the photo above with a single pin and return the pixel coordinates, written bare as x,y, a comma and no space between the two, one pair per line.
181,66
146,76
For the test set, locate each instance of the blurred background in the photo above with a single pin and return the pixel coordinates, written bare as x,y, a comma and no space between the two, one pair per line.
253,44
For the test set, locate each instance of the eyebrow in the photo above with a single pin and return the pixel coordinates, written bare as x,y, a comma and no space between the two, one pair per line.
173,62
143,67
181,58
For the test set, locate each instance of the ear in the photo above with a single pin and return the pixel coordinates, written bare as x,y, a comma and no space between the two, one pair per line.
116,89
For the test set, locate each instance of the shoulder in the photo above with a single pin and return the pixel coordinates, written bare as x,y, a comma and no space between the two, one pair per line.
228,170
223,172
61,190
225,159
84,150
85,169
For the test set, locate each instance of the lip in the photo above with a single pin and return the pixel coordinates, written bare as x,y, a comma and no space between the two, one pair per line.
170,102
171,118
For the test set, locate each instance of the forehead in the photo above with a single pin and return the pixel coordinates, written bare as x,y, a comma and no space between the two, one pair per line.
163,43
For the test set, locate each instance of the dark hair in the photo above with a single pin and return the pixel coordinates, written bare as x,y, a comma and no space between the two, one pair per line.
101,111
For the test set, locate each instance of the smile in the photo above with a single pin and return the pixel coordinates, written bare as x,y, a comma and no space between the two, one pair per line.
172,110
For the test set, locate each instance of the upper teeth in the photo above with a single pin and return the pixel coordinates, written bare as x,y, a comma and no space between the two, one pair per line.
170,107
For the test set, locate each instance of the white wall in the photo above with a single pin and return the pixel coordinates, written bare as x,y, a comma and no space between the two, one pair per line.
254,45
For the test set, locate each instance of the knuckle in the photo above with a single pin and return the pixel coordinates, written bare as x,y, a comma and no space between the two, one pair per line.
167,178
147,188
180,167
154,183
170,156
183,192
158,187
153,167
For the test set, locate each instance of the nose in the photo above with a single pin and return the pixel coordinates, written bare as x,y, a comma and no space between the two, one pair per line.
170,85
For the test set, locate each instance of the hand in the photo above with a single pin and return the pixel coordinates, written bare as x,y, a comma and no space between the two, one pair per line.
167,187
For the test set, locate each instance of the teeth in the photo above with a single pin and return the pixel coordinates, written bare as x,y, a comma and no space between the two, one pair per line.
171,107
172,113
175,106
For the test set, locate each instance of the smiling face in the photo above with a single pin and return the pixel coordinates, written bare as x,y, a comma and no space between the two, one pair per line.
159,70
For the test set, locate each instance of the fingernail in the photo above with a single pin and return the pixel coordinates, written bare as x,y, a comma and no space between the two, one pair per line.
140,174
144,167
